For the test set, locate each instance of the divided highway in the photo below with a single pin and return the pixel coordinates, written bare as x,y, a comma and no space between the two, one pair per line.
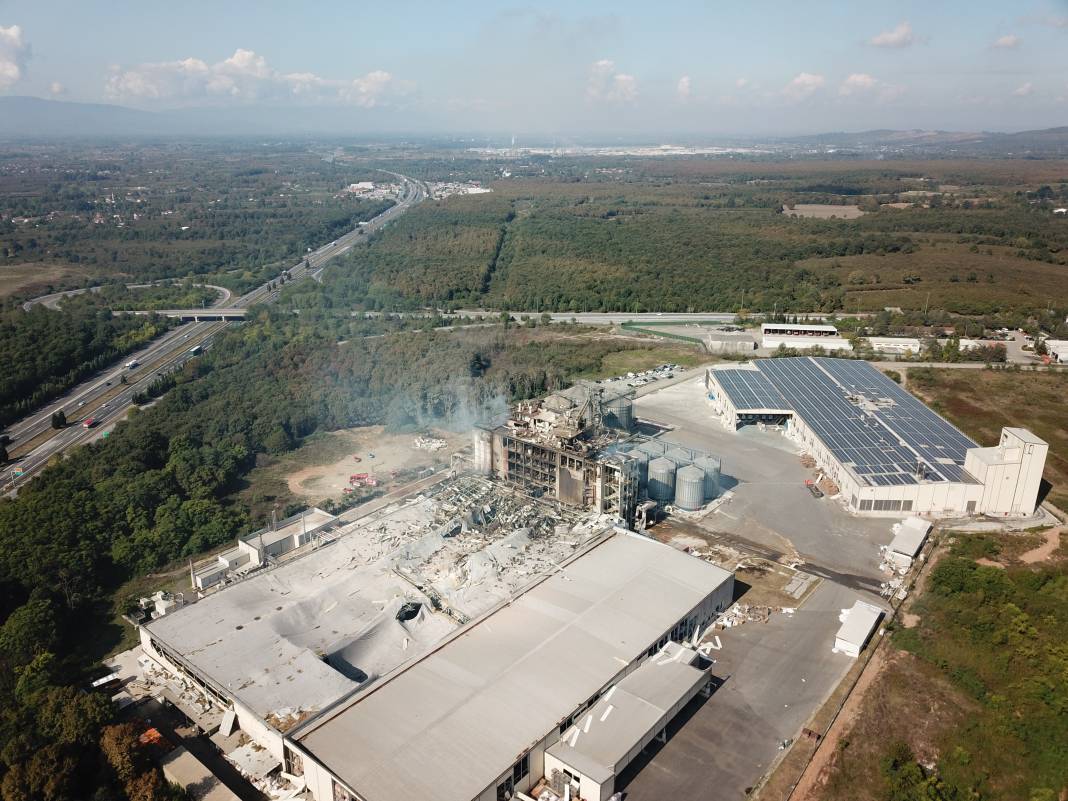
105,399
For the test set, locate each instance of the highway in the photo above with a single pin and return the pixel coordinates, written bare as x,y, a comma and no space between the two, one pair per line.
105,398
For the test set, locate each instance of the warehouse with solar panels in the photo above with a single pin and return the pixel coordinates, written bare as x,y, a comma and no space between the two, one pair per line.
888,453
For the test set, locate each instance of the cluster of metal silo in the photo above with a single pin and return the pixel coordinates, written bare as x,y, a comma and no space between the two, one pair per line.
680,456
690,487
653,448
711,467
661,486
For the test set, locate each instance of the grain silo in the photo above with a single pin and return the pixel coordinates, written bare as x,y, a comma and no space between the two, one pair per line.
619,413
661,479
680,456
690,488
712,467
642,458
653,447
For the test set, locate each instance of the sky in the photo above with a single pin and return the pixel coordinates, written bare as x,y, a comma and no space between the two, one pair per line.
557,68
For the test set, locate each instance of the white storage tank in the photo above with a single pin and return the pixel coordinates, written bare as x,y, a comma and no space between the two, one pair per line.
712,467
662,479
690,488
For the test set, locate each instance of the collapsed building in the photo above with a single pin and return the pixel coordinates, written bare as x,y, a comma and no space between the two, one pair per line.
578,447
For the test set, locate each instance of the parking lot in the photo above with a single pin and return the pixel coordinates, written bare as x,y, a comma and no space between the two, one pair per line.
768,505
774,676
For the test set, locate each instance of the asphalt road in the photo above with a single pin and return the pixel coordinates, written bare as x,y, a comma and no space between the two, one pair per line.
106,399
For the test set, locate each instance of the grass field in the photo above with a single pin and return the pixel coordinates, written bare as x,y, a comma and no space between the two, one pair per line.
627,361
981,402
955,278
31,279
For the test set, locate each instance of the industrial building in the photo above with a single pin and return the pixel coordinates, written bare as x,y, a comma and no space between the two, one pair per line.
261,547
1057,350
576,447
591,655
858,624
885,450
273,646
799,336
896,346
909,536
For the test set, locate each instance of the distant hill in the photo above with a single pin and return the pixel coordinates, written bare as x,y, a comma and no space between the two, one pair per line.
1045,142
33,116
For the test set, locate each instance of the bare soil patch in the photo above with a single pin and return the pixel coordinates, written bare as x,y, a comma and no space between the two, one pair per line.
31,279
824,211
381,455
1046,549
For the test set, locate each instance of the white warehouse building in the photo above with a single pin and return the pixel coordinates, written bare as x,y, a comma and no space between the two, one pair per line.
802,336
888,452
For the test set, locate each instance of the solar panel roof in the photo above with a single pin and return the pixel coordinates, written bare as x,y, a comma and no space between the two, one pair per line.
749,389
870,424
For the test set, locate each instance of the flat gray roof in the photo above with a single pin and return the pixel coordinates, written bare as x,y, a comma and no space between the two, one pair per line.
859,623
289,641
631,710
446,726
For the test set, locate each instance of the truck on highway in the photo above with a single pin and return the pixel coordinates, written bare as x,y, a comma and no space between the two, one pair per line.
88,422
195,350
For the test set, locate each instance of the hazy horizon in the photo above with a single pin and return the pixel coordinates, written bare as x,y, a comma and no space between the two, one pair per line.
624,69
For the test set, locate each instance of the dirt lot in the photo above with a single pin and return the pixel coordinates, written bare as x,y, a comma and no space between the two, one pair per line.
30,279
380,455
824,211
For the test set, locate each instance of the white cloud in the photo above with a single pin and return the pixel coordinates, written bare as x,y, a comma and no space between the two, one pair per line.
1008,41
56,89
901,36
1024,90
14,53
741,83
245,77
605,84
857,83
684,88
803,86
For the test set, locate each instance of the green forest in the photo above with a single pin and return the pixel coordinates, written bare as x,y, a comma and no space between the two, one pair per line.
683,244
47,352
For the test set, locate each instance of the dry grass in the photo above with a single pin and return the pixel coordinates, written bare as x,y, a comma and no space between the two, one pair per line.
31,279
981,402
824,211
1000,280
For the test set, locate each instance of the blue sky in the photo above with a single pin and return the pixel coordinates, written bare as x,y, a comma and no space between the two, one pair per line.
700,67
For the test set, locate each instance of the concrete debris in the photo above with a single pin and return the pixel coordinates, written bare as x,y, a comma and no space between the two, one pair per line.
428,443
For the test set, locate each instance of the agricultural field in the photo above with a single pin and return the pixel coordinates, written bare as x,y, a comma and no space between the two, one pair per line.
981,402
